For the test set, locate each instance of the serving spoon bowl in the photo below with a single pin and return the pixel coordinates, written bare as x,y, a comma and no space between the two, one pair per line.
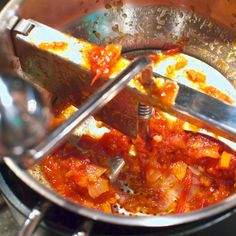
24,115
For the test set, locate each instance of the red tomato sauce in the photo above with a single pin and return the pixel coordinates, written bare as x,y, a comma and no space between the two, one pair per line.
102,59
174,172
171,50
216,93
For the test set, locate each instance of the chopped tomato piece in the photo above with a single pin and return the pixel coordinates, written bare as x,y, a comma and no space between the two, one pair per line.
102,59
225,160
201,147
115,143
179,169
166,92
195,76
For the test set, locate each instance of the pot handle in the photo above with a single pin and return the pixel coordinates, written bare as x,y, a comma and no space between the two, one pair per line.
34,217
84,229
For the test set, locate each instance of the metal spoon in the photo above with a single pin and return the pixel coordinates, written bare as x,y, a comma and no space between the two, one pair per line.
23,115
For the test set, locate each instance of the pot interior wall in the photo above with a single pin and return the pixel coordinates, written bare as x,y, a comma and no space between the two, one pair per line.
62,13
120,19
204,29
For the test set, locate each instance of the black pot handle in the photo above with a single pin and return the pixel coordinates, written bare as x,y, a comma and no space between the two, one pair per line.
33,219
84,229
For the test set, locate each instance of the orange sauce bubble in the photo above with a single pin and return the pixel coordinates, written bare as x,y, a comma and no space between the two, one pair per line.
55,46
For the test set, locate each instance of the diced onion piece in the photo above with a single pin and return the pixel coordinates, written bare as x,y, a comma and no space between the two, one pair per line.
99,187
225,160
132,151
157,138
179,169
68,112
94,171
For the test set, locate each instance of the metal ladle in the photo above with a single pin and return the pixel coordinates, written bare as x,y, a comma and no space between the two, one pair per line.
23,115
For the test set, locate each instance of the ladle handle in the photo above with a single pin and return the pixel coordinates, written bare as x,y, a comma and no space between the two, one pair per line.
99,99
85,228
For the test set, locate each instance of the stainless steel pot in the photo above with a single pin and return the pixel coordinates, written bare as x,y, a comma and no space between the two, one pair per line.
205,29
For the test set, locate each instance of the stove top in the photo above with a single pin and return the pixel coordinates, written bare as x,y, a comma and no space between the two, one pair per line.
8,225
